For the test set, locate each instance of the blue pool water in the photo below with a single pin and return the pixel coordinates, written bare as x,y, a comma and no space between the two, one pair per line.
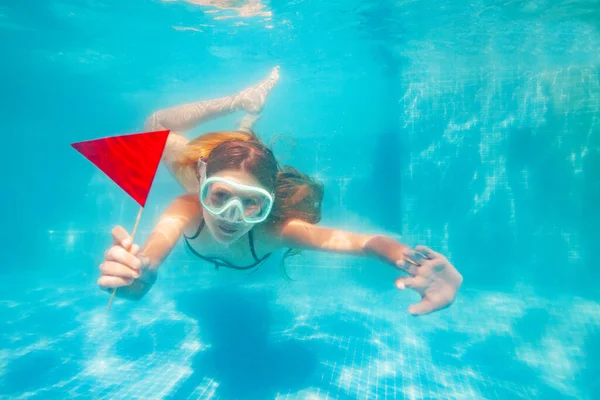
470,127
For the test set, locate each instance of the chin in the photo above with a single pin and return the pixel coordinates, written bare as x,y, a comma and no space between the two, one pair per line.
226,239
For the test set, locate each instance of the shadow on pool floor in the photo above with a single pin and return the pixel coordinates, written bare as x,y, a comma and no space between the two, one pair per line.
242,358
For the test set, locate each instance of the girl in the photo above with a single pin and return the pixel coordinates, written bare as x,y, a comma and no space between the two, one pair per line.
241,206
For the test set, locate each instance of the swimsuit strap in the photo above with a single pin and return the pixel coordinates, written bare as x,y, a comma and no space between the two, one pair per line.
251,241
213,260
219,262
197,232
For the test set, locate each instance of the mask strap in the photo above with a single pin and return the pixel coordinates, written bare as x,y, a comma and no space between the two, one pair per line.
201,170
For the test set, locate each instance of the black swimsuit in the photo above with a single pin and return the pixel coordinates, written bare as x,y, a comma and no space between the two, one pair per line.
219,262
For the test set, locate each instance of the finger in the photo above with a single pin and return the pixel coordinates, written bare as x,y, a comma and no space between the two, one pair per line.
425,306
108,282
427,252
134,250
122,256
121,237
408,266
414,257
409,282
116,269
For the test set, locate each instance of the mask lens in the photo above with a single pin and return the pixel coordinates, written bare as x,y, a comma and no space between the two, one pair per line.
225,198
218,195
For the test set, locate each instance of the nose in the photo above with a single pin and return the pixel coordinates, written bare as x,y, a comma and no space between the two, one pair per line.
233,213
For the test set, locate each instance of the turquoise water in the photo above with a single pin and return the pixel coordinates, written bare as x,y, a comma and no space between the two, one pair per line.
470,127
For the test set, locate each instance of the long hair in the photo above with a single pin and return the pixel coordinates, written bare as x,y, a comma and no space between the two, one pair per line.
297,196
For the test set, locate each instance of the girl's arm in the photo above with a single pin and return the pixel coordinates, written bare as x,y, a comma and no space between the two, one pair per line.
303,235
430,273
164,236
167,232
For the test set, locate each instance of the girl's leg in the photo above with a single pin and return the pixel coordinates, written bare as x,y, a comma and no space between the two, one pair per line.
175,144
248,121
187,116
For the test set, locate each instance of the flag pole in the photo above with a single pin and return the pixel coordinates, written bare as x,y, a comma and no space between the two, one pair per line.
137,221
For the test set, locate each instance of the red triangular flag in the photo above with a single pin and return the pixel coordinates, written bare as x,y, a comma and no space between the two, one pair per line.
130,161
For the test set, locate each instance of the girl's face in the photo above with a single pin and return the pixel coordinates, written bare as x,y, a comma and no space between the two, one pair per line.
227,231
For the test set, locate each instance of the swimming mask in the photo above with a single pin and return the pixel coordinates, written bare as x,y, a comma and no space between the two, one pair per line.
233,201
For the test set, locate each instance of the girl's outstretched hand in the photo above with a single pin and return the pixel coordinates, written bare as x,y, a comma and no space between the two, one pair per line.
431,274
435,279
